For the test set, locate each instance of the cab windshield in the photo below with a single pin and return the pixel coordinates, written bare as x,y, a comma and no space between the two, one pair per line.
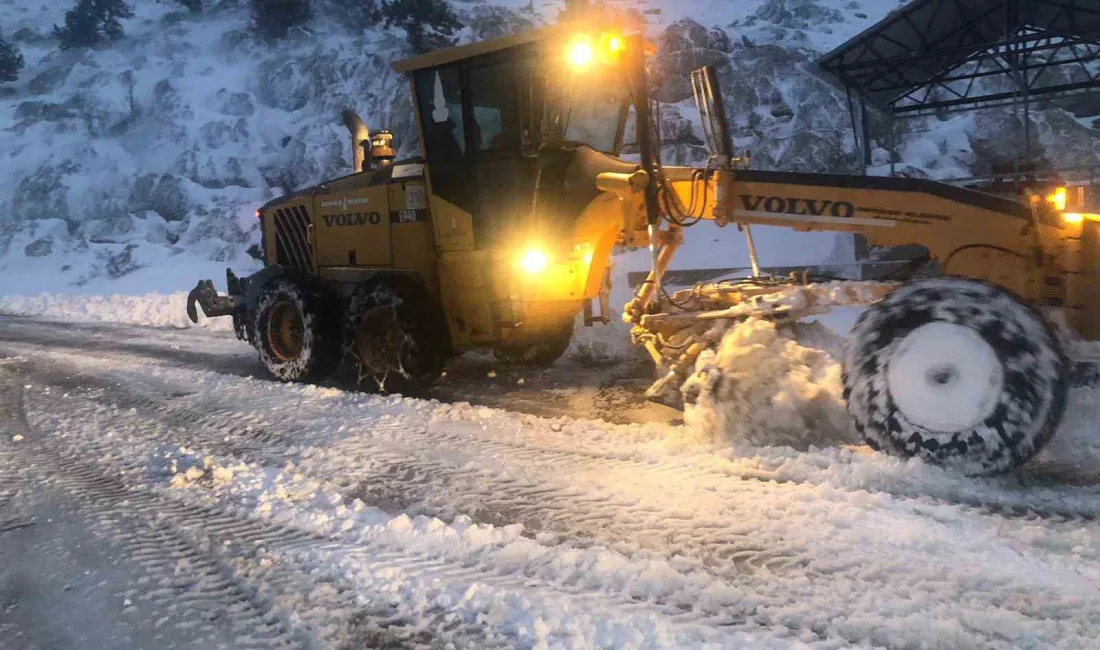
596,122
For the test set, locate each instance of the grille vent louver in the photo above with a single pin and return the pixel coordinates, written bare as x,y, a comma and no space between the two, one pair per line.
291,241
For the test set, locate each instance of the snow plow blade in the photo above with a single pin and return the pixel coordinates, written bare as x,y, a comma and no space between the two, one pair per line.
213,305
704,313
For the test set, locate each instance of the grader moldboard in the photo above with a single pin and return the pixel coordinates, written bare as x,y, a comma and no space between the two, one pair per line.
501,233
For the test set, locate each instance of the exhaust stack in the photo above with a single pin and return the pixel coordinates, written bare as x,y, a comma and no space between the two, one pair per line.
360,138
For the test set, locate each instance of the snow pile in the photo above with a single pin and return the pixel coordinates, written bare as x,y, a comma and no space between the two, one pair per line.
761,387
150,310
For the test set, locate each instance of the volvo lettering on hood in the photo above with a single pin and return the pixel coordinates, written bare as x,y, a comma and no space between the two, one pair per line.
790,208
813,207
353,219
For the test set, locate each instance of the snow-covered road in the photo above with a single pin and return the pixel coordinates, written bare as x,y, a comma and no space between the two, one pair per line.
155,489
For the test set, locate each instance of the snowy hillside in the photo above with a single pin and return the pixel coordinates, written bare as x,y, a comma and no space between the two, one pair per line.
137,165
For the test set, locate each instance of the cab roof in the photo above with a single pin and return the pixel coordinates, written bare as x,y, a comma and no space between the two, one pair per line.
462,52
559,31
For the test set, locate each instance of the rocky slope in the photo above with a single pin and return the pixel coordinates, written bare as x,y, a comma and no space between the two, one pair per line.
155,149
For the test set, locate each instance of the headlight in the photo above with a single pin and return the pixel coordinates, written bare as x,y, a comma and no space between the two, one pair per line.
584,50
534,260
580,54
1057,198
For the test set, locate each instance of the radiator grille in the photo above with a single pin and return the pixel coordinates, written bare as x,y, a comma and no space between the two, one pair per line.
291,243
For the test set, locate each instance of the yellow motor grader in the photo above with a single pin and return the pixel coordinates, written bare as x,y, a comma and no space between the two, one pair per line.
501,232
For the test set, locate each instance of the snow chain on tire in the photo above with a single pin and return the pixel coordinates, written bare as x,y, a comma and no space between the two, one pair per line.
958,372
314,349
418,347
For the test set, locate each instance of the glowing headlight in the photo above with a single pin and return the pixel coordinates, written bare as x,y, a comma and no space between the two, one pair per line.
1058,199
586,51
534,261
1080,217
580,54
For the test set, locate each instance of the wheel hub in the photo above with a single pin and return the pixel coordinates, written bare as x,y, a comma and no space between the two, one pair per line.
945,377
942,375
285,335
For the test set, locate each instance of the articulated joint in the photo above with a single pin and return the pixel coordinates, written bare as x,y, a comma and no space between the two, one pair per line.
624,187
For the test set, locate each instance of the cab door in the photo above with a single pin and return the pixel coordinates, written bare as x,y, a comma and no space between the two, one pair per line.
443,124
501,123
462,271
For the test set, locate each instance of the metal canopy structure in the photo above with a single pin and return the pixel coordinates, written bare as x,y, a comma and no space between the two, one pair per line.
940,56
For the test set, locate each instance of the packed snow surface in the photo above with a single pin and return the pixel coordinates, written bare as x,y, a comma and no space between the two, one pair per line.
133,170
574,533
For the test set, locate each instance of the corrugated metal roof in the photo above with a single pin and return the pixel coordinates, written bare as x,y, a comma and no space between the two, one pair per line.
920,42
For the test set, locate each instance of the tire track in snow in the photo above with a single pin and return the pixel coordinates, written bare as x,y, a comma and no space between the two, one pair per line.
429,567
246,437
443,480
101,341
679,612
955,491
246,585
394,481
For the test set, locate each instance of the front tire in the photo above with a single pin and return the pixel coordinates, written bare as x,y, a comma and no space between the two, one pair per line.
295,339
538,354
957,372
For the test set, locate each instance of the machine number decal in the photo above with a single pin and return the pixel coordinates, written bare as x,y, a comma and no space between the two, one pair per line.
415,198
353,219
408,216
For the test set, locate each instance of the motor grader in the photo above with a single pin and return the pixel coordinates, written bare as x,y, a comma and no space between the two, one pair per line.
500,236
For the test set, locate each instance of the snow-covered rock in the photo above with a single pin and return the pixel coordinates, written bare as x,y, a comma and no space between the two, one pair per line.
190,118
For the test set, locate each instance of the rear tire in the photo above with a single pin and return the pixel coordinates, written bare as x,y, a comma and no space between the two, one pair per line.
395,338
295,339
539,354
957,372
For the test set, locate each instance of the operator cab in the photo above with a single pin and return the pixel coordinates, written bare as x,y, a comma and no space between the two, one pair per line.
497,122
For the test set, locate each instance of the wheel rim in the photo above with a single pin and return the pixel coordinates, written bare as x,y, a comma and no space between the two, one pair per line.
945,377
285,334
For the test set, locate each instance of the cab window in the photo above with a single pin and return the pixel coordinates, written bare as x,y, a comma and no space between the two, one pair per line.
495,107
439,99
